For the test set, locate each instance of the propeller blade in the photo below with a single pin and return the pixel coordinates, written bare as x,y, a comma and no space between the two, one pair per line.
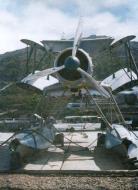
94,83
77,38
45,72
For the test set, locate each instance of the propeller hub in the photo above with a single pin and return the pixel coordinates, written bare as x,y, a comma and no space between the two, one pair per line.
72,63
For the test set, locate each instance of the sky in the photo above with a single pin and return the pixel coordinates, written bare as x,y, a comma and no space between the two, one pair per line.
52,19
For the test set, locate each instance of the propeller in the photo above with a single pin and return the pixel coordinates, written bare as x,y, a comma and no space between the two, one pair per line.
72,61
72,64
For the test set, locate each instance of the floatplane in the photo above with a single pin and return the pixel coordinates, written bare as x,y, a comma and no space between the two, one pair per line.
73,72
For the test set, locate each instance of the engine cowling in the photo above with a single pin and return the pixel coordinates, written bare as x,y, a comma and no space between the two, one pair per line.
70,74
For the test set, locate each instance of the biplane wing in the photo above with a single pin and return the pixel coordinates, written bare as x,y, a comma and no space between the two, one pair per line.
90,45
120,80
39,84
50,86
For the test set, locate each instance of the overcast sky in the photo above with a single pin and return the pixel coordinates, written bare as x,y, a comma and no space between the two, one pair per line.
49,19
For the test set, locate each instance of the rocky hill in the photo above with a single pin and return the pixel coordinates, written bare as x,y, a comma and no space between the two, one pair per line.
13,64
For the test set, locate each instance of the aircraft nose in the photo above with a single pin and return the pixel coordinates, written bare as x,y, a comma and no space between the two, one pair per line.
72,63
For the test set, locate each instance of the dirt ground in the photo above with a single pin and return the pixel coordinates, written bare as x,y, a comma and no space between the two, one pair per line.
23,181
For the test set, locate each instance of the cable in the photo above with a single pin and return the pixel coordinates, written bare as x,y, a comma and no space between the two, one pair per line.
99,111
134,133
118,110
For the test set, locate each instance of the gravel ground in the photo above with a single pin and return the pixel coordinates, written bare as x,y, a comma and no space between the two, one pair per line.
18,181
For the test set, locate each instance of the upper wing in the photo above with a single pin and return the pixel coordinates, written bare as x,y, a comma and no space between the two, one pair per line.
33,44
91,46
